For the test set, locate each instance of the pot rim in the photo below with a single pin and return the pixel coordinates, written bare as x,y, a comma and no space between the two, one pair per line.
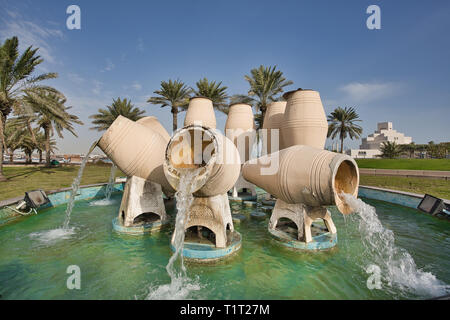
245,104
287,94
199,97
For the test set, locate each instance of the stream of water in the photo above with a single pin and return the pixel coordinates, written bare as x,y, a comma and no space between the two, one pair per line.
394,265
76,186
109,189
180,285
53,235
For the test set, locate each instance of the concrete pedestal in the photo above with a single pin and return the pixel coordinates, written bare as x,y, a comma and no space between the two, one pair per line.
241,183
140,199
213,213
303,216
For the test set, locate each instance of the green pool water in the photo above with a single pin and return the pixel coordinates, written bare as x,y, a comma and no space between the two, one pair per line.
115,266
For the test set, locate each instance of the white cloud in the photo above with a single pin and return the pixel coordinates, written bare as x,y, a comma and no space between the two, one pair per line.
357,91
30,34
136,86
109,65
75,78
97,87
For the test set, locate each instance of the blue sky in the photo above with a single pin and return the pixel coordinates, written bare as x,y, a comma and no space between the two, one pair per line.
399,73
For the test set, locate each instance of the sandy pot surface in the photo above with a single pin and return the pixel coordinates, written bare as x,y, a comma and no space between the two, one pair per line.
200,112
306,175
153,123
137,150
209,152
304,121
273,120
240,128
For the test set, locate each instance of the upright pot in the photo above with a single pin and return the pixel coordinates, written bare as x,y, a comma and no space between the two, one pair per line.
240,128
307,175
273,120
200,112
137,150
304,121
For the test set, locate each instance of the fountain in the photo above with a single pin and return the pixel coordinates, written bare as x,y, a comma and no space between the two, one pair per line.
137,148
215,159
307,178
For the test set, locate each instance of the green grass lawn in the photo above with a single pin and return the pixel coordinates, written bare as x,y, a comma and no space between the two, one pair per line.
437,187
21,179
405,164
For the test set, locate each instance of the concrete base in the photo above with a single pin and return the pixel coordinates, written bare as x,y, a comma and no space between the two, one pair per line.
303,216
204,253
147,228
213,213
322,241
142,203
241,183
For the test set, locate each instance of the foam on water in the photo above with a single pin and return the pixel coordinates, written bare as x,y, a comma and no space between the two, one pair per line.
180,288
397,266
52,236
180,285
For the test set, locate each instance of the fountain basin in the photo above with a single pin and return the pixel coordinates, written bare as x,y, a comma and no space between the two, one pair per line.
205,252
322,241
145,228
261,269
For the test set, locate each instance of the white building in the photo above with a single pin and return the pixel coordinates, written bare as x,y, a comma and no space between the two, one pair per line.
370,146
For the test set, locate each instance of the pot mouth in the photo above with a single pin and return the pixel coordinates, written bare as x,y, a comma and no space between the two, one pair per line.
345,180
199,97
243,104
192,148
287,94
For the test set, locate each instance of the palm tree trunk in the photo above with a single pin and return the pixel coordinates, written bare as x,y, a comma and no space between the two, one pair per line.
174,119
33,136
47,146
342,145
28,156
263,114
2,143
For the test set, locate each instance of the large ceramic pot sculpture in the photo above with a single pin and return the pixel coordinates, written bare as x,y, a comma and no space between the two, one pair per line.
304,121
200,112
138,150
240,128
307,180
218,165
273,121
302,176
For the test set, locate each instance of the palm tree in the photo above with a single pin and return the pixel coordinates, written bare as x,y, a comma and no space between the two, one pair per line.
409,148
174,94
265,84
16,78
215,91
14,133
342,122
51,115
28,144
390,150
105,117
